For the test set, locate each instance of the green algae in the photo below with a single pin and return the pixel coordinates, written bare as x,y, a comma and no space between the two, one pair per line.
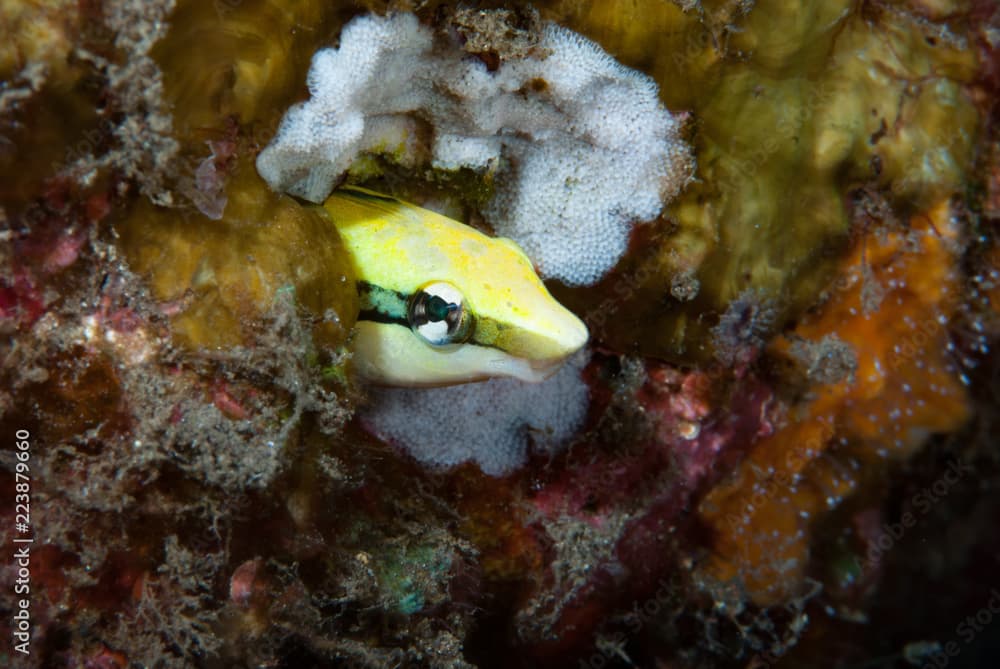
408,574
337,372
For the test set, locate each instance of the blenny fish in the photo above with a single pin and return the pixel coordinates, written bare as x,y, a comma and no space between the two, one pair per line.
442,303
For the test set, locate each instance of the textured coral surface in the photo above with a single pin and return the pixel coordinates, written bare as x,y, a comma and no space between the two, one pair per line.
781,450
892,303
546,128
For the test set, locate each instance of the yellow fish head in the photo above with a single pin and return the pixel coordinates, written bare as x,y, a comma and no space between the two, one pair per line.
442,303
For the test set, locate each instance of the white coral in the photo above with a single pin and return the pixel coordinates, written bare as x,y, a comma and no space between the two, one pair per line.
582,145
489,423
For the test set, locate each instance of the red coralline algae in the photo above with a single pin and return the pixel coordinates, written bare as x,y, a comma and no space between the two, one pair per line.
64,251
226,403
20,299
105,658
630,504
690,429
246,584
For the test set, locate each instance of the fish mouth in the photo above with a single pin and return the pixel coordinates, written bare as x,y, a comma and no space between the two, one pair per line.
527,370
543,369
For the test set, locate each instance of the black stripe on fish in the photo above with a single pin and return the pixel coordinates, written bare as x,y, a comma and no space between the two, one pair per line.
387,306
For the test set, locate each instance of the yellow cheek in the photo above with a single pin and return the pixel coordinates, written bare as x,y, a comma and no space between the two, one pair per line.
392,355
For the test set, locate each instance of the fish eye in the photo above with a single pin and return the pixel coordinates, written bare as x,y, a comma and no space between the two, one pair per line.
437,314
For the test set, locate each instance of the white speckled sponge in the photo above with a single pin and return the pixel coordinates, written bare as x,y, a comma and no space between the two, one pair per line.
490,423
581,144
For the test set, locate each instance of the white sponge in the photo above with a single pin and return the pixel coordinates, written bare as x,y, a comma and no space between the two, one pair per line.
581,145
489,423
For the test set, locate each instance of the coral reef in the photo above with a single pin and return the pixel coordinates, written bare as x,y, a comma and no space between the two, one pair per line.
615,516
794,108
904,388
780,452
547,123
145,148
217,280
41,35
